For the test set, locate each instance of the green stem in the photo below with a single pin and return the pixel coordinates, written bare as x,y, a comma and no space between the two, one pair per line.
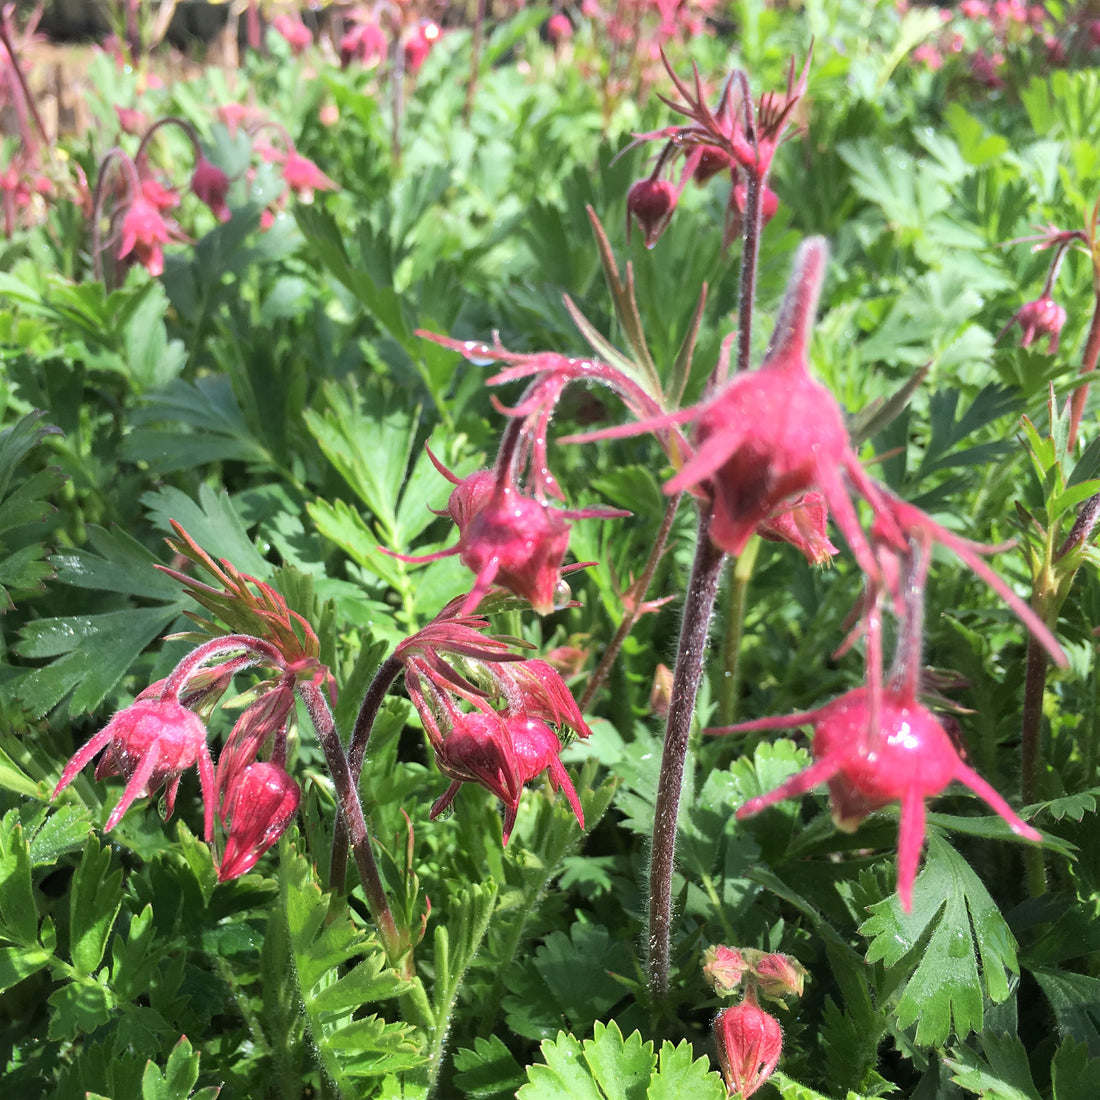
740,577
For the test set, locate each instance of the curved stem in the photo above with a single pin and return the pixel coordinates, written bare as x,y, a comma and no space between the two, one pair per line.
383,679
631,617
398,950
1088,363
698,608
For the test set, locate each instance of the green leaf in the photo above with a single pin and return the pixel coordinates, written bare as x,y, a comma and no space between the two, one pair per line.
119,564
1004,1073
93,653
79,1008
17,963
1073,1073
952,909
322,942
18,913
212,522
367,433
488,1072
567,980
1075,999
94,904
178,1078
64,830
609,1067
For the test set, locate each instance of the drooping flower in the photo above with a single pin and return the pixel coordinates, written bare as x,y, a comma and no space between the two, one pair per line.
507,538
1042,317
144,233
804,524
211,186
365,43
303,177
651,203
749,1043
419,45
907,758
151,743
262,803
558,28
298,36
501,753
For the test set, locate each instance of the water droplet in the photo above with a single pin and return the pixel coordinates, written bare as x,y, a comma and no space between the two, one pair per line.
563,595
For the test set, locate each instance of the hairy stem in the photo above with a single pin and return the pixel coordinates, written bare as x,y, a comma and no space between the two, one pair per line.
698,608
1034,688
388,671
1088,364
398,952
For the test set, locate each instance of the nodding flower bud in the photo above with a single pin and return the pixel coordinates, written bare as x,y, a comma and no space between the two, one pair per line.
651,203
779,976
724,967
260,806
804,524
1042,317
211,186
749,1042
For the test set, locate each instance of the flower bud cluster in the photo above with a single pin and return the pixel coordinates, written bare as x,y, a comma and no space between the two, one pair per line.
159,736
749,1040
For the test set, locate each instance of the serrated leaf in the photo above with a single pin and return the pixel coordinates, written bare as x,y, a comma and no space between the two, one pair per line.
794,1090
953,909
18,913
563,1073
488,1072
93,652
1075,999
568,980
681,1074
1004,1073
367,433
95,900
64,830
322,940
79,1008
17,963
1073,1073
212,522
119,564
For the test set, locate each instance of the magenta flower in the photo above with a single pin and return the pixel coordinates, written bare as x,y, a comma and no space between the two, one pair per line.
151,743
749,1042
365,43
507,538
804,524
906,757
211,186
298,36
144,232
501,753
303,177
261,805
419,45
1042,317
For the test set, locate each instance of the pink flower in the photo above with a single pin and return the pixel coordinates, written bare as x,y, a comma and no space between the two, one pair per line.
803,522
163,198
297,34
507,538
211,186
366,43
260,722
144,231
260,806
651,203
420,45
723,968
749,1042
558,28
131,120
501,753
152,743
906,757
1042,317
303,177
